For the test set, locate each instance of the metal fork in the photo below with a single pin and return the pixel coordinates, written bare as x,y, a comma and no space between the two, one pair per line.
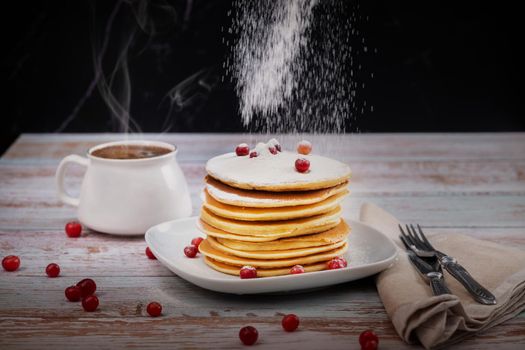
422,247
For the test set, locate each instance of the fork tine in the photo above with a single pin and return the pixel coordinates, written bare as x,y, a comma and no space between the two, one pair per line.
424,238
414,239
405,242
421,243
407,238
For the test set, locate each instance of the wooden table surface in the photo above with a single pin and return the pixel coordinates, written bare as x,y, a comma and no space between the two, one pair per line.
468,183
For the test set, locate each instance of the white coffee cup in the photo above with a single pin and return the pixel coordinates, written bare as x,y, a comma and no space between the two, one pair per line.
128,196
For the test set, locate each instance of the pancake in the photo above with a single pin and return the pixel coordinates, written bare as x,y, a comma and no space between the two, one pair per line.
215,232
277,173
274,254
207,250
334,235
272,214
281,228
234,270
265,199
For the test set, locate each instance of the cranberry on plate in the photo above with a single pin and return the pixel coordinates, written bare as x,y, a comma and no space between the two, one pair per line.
191,251
297,269
197,241
248,272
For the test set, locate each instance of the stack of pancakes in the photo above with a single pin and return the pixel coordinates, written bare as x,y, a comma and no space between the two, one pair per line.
261,212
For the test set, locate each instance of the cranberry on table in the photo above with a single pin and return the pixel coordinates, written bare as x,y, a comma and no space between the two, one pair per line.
367,337
290,322
197,241
248,335
369,345
248,272
73,293
297,269
254,154
11,263
278,147
87,287
191,251
90,303
53,270
304,147
242,149
150,254
73,229
302,165
154,309
272,150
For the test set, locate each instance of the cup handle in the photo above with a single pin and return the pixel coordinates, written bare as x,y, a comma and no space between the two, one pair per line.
60,174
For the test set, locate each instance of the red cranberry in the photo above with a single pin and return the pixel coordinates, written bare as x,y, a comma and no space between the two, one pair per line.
290,322
342,261
368,336
197,241
242,149
191,251
370,345
90,303
248,335
248,272
302,165
304,147
73,229
73,293
53,270
297,269
272,150
150,254
254,154
87,287
335,263
278,147
11,263
154,309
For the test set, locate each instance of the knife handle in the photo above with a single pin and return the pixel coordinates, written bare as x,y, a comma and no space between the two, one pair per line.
437,283
480,293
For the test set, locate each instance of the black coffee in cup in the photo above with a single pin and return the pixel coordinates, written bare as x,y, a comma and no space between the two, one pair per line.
130,152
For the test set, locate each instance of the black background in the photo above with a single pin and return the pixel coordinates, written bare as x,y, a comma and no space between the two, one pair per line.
436,65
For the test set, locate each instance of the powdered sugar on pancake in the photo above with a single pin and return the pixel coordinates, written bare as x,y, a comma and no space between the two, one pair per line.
275,170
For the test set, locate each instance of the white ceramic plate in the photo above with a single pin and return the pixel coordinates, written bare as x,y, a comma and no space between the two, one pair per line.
369,253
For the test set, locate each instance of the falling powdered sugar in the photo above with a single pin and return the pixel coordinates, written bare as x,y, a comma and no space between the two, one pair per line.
292,63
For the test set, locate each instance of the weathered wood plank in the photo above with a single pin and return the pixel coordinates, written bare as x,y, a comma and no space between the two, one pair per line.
201,319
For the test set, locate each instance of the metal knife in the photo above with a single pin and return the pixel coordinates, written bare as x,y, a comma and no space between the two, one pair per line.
433,275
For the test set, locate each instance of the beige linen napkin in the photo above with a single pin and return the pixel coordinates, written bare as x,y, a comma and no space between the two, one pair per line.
438,321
